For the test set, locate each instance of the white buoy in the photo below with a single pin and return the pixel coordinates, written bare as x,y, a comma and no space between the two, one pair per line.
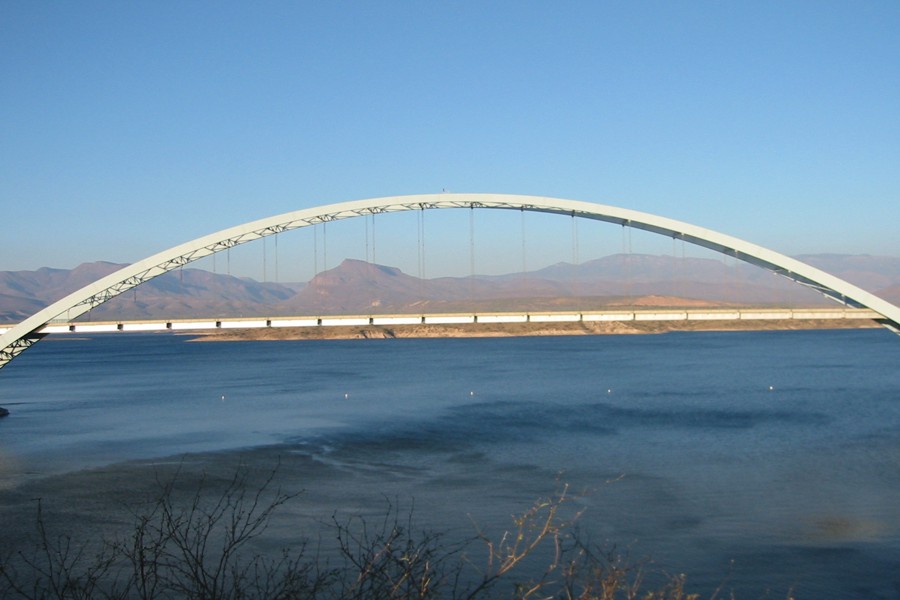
223,397
346,396
472,393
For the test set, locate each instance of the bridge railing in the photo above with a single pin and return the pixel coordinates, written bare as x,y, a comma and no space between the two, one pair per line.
494,317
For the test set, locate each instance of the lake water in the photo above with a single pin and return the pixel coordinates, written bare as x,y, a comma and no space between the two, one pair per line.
770,460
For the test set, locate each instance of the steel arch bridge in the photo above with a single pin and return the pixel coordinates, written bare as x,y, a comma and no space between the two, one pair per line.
23,335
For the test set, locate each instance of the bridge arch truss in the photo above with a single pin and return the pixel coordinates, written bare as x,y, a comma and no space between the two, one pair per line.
23,335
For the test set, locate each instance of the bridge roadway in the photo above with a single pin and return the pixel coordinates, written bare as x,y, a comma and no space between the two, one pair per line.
743,314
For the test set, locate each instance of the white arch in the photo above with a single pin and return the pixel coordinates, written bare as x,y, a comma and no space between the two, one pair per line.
23,335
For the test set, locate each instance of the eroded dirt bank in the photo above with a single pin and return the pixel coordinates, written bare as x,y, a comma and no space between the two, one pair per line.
471,330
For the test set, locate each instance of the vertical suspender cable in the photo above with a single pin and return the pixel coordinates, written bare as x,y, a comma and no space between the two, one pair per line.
471,250
524,263
472,241
574,240
575,269
324,245
728,283
792,286
315,249
626,256
423,243
675,283
421,247
265,266
276,258
726,296
366,225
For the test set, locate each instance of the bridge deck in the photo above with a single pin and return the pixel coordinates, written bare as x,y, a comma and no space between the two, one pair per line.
747,314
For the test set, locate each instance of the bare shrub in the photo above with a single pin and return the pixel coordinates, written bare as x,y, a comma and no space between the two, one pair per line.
201,544
390,559
55,567
197,550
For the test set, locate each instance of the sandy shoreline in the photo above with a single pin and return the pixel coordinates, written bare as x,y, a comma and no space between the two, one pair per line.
472,330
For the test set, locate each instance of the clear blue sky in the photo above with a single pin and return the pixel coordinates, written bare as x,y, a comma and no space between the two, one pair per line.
129,127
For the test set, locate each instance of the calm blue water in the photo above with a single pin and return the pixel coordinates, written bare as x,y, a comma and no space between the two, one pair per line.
770,459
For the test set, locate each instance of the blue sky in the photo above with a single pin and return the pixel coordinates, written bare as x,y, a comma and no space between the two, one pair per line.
129,127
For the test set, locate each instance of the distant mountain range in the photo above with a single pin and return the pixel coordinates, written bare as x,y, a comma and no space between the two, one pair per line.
357,287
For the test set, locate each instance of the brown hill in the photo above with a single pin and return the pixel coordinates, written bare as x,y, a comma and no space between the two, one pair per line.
359,287
176,294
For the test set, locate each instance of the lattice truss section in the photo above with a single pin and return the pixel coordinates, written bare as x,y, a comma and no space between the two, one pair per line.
18,347
180,261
